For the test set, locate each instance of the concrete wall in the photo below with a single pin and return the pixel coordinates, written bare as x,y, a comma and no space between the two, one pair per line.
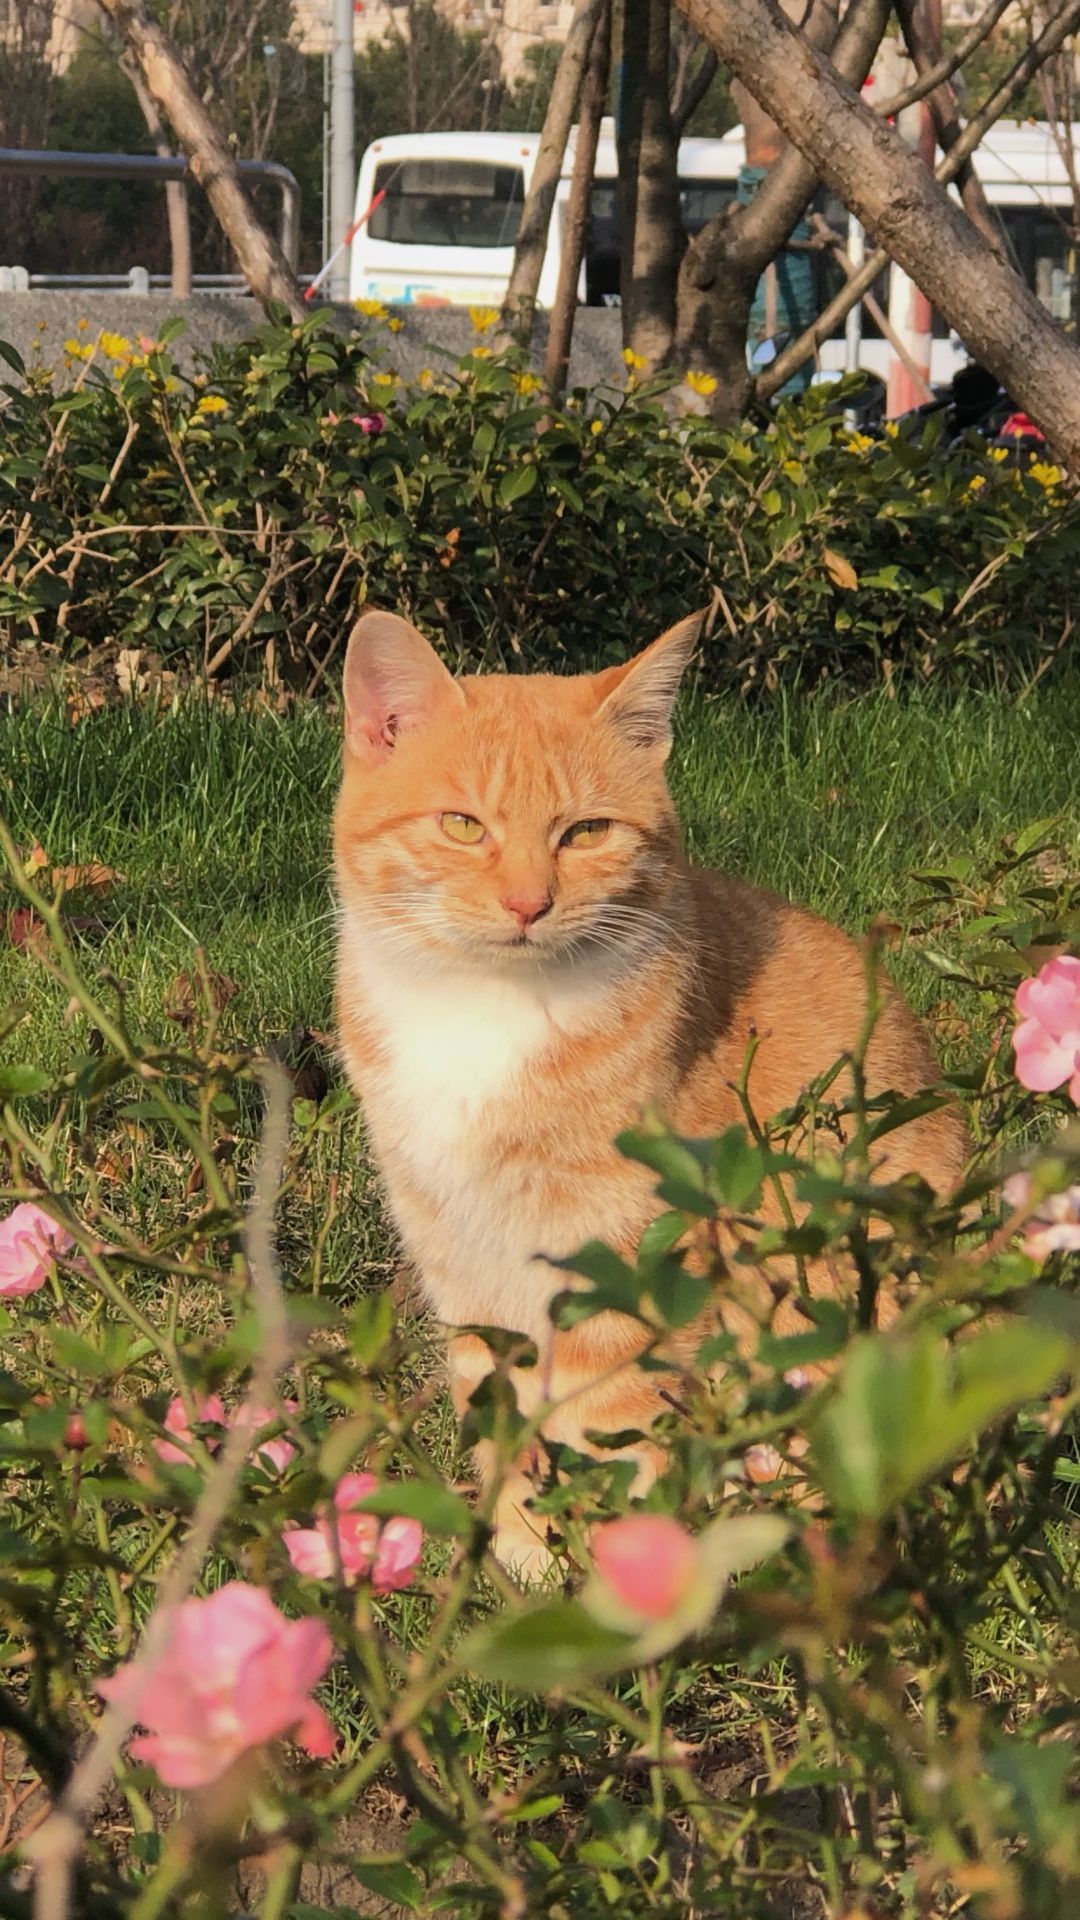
38,324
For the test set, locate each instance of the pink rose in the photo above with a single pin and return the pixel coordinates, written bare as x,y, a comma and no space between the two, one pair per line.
233,1674
1047,1041
209,1410
368,422
29,1242
648,1560
389,1553
1054,1226
274,1454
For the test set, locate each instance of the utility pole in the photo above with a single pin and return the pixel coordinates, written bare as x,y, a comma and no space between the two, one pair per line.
342,141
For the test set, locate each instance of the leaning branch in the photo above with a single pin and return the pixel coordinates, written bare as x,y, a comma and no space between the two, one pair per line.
948,125
1002,322
258,255
519,303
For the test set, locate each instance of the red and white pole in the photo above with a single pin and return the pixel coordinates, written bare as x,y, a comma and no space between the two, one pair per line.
910,313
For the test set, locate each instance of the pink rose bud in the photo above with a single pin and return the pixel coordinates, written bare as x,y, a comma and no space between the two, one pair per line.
1047,1041
210,1411
647,1560
234,1673
388,1551
762,1463
368,422
1054,1227
75,1434
30,1239
275,1454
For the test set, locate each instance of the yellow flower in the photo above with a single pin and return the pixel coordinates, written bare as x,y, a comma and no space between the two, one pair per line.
384,379
977,481
115,346
483,318
858,442
212,403
395,323
1045,474
702,383
82,324
424,378
372,309
526,382
77,350
999,453
892,429
481,353
596,426
635,361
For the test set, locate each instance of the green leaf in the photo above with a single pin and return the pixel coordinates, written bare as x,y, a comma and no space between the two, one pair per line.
678,1296
17,1083
12,356
516,483
548,1646
905,1406
436,1508
77,1355
391,1880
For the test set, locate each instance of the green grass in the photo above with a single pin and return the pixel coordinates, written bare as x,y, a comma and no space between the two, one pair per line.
219,820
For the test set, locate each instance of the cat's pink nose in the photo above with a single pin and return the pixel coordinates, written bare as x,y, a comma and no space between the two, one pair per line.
527,907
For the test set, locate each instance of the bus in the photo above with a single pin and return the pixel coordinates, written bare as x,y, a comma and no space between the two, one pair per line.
442,231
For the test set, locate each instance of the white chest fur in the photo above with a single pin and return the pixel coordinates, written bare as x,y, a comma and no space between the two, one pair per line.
460,1050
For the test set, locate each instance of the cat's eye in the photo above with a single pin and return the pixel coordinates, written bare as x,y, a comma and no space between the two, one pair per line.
586,833
461,827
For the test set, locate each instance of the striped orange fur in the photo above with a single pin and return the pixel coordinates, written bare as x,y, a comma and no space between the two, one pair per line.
510,1001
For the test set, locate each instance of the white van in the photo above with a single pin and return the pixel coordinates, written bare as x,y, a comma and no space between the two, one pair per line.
442,233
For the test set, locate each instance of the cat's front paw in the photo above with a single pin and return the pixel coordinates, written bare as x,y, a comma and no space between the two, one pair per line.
520,1544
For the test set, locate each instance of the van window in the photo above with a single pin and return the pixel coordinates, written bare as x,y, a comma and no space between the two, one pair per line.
447,203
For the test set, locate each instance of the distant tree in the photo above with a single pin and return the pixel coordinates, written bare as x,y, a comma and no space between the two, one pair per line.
99,226
26,98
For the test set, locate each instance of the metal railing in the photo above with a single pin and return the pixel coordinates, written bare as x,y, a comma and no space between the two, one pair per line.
150,166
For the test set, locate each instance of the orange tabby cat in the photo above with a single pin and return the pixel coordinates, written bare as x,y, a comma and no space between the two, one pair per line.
525,962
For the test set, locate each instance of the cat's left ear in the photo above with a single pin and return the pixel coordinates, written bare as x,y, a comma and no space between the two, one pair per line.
638,698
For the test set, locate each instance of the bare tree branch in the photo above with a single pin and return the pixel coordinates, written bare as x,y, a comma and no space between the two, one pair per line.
519,302
724,262
593,96
692,90
1053,36
949,63
948,125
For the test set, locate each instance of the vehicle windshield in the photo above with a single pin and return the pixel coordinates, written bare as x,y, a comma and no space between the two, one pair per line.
447,203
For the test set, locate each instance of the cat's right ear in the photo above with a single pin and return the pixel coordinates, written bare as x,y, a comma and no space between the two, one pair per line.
394,682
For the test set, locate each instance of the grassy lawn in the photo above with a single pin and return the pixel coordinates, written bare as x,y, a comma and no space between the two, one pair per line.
217,819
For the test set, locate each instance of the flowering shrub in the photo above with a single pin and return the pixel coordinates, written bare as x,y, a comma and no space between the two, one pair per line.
827,1666
294,477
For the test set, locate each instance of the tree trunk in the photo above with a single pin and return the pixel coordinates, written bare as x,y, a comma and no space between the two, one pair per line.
891,193
725,261
177,209
260,258
519,304
593,96
650,227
